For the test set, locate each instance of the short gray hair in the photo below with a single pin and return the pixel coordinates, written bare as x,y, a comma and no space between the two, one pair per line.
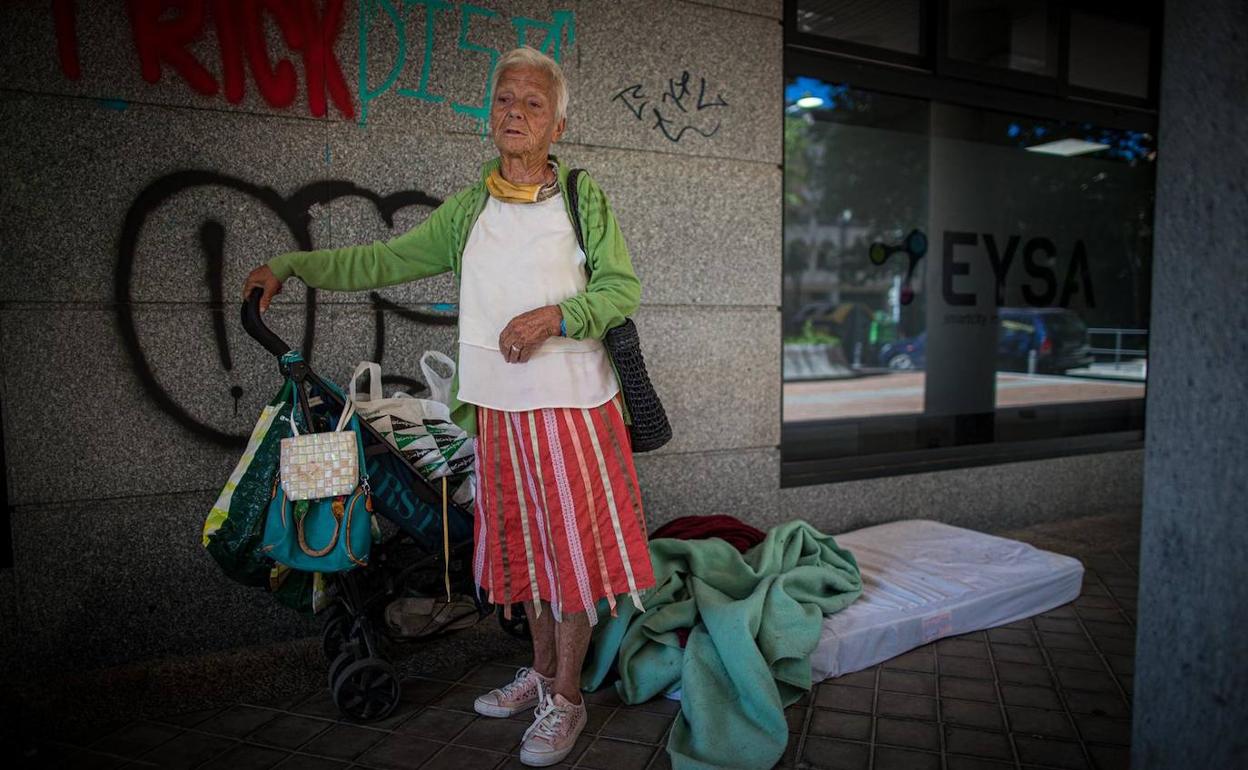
526,56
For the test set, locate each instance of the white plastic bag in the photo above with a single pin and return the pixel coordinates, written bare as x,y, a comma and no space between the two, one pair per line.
439,385
420,428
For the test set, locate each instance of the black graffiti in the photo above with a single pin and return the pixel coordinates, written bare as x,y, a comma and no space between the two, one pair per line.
633,99
678,91
381,306
679,95
212,238
295,212
662,124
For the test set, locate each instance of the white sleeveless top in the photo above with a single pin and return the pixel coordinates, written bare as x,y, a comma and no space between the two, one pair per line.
519,257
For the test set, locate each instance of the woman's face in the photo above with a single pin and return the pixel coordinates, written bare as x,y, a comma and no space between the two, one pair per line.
522,118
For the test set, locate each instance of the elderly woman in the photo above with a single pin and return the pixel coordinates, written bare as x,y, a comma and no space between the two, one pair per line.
559,522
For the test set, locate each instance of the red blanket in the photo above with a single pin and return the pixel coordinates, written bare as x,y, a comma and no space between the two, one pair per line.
739,535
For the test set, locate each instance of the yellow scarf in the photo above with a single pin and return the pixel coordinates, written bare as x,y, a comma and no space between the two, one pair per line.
509,192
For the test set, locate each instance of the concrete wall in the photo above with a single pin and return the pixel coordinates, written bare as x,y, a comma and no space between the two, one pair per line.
1191,681
147,170
987,498
130,208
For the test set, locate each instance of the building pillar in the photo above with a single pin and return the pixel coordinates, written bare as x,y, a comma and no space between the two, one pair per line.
1191,663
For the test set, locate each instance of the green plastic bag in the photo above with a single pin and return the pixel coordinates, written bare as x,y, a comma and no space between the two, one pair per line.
234,531
235,526
301,591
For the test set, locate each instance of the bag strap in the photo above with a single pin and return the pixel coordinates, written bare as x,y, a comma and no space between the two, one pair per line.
348,411
294,407
446,545
374,381
574,203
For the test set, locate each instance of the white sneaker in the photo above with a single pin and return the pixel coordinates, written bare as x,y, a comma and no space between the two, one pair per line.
557,725
522,694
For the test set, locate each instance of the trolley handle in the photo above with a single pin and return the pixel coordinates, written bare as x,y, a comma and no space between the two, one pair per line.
254,325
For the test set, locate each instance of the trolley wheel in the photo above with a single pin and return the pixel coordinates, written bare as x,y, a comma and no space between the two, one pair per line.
335,634
518,625
367,690
339,664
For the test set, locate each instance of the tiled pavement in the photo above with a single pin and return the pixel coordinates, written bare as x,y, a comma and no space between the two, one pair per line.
1052,691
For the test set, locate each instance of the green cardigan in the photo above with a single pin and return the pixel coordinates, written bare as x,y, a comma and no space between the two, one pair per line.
437,245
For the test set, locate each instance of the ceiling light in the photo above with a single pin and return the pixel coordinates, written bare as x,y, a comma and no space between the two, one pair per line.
810,102
1068,147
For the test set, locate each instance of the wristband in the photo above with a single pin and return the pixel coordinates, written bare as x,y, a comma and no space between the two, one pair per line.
563,328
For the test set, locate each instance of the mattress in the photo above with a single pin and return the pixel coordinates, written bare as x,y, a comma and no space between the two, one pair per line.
923,580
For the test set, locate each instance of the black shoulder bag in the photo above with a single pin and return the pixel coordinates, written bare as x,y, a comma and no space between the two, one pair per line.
650,429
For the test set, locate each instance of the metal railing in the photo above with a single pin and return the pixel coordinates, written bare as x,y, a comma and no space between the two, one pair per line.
1118,351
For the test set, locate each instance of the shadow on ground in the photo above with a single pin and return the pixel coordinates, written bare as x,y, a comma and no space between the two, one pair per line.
1049,691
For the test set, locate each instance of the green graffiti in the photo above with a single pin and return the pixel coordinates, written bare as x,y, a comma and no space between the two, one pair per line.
432,8
479,112
367,10
560,30
551,37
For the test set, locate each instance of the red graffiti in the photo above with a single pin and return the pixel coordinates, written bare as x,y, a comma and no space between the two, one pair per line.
162,40
66,38
231,53
277,83
319,61
159,40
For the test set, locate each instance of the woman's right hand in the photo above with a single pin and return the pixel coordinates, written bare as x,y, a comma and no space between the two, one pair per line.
262,277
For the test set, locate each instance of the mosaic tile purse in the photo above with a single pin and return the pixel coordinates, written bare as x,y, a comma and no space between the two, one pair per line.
317,465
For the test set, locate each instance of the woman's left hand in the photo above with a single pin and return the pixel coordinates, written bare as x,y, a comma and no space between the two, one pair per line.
527,331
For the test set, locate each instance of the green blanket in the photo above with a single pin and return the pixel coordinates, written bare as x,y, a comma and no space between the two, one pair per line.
755,619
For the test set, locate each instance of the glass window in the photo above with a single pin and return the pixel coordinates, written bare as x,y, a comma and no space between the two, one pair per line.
956,276
890,24
1121,66
1003,34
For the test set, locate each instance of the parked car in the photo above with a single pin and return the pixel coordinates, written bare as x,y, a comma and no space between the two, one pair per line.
1057,336
852,323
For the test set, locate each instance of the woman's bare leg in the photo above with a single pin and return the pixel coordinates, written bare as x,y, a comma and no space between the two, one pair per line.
572,636
545,659
521,693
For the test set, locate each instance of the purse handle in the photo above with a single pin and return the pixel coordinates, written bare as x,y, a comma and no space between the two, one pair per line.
348,411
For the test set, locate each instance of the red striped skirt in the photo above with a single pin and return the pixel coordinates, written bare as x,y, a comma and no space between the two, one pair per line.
558,510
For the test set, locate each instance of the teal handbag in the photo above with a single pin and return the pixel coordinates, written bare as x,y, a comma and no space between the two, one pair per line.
327,534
